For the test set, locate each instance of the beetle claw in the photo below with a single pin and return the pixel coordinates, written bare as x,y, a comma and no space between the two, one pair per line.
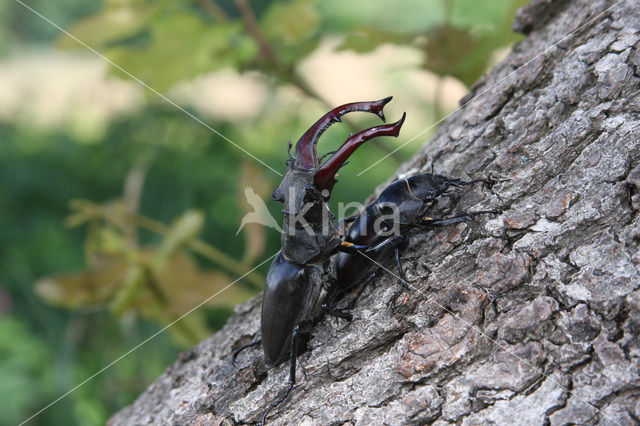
235,353
337,312
393,301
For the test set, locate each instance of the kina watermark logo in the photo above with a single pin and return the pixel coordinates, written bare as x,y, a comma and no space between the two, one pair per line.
260,213
386,222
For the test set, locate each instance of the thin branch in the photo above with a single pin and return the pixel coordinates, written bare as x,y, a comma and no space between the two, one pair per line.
198,246
132,192
268,54
248,17
213,9
205,250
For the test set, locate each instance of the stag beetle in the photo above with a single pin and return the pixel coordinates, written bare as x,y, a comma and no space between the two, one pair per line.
296,281
382,227
305,278
308,233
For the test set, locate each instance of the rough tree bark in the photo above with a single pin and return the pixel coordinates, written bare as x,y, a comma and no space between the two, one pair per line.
531,316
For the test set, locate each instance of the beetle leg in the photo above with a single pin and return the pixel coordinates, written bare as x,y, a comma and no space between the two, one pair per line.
460,183
430,222
292,373
235,353
343,312
433,204
347,247
363,287
342,223
326,155
351,218
337,312
388,242
403,277
433,161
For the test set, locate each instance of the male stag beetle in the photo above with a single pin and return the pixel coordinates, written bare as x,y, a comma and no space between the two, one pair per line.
309,235
305,278
299,275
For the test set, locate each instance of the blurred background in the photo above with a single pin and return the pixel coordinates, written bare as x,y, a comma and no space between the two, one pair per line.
119,212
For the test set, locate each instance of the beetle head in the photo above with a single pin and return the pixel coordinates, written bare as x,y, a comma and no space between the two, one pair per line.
307,184
304,170
440,183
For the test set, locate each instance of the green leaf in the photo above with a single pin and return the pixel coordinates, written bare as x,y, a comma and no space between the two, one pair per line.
128,291
462,46
168,292
184,286
367,39
115,23
291,22
184,228
457,52
460,34
291,29
181,45
496,15
408,16
84,288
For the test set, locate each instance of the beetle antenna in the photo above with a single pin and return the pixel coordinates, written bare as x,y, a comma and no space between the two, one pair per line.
289,145
436,158
326,155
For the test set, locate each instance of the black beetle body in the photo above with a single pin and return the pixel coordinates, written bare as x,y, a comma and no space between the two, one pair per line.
295,286
309,236
382,227
308,232
291,295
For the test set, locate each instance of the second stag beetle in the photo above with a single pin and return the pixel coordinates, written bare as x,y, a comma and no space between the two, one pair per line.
382,228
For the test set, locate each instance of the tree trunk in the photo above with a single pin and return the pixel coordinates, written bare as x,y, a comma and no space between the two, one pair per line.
527,317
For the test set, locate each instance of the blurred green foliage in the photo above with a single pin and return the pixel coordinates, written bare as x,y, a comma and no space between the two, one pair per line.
25,365
104,241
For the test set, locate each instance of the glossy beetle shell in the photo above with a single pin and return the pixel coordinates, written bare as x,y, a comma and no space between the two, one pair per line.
411,197
281,308
293,294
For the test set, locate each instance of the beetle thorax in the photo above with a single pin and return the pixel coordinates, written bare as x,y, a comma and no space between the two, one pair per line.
308,231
